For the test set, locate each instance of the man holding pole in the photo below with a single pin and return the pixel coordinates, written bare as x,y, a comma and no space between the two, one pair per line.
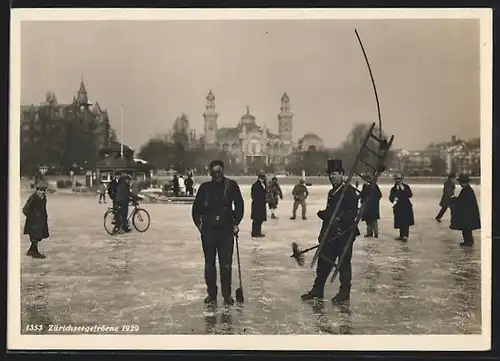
217,220
338,236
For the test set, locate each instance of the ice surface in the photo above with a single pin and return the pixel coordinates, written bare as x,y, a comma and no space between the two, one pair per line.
155,280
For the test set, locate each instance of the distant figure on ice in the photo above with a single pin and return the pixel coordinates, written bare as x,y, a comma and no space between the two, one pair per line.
274,194
175,184
102,192
448,193
189,185
218,222
372,210
182,186
300,194
123,196
465,211
259,213
402,207
36,225
112,186
338,236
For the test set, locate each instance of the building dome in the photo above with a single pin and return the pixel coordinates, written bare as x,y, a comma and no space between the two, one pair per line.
248,118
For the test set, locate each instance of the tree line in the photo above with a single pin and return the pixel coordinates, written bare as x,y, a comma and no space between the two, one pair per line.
62,138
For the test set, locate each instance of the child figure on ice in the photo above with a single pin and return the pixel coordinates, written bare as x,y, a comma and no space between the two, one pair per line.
36,226
274,194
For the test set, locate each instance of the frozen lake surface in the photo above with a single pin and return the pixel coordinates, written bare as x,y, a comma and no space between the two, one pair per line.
155,280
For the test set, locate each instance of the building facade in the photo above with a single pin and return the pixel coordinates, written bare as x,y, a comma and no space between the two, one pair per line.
254,146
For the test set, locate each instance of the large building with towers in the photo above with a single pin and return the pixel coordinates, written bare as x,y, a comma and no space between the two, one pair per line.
256,146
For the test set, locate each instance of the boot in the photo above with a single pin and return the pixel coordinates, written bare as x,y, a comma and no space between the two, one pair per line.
31,250
228,301
36,253
343,296
293,218
463,244
209,300
273,216
376,235
311,295
304,218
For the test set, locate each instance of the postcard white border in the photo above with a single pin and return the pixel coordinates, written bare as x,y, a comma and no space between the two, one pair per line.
16,341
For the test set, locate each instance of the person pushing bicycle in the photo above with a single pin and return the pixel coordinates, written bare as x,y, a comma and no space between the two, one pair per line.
123,196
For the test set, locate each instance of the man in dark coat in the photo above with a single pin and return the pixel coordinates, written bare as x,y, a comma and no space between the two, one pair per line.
371,195
274,194
123,196
465,211
218,223
259,213
189,183
338,238
402,207
448,193
176,187
36,226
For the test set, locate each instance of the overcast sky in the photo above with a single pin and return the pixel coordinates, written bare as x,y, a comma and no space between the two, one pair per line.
426,72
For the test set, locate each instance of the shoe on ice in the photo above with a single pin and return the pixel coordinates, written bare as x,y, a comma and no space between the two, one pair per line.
292,218
310,296
210,300
463,244
228,301
341,297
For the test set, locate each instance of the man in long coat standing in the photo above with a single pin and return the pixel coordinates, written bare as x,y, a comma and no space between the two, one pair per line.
36,225
400,197
259,212
448,193
371,195
465,211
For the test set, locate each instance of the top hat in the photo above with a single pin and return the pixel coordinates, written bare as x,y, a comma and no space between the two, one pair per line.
334,165
463,178
217,162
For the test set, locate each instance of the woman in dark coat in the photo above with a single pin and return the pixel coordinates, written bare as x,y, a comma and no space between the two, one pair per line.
259,213
36,225
448,193
274,194
402,207
465,211
372,211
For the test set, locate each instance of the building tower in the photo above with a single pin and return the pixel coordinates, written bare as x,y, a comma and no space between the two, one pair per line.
82,99
285,120
210,116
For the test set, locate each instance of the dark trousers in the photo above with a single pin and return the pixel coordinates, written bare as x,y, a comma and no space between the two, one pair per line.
467,236
372,228
256,227
102,197
324,268
441,213
218,241
122,208
404,231
189,192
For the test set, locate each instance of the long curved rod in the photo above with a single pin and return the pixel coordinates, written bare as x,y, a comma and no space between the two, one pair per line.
373,83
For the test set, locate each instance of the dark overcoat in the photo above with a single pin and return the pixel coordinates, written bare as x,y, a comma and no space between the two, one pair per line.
35,211
346,215
403,208
372,210
259,192
448,192
465,210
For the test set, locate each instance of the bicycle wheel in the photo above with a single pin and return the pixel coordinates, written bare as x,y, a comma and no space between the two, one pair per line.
141,220
109,221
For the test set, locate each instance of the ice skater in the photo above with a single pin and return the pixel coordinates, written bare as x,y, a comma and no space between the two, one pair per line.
371,194
218,223
338,237
274,194
300,194
448,193
259,213
400,197
102,192
465,212
36,226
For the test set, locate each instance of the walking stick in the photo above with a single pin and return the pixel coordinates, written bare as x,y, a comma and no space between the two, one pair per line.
239,292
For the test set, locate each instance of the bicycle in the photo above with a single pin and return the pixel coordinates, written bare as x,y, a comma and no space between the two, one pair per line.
138,216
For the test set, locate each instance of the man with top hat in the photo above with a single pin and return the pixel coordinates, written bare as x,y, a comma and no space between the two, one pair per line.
217,212
35,211
259,200
402,208
338,237
465,211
